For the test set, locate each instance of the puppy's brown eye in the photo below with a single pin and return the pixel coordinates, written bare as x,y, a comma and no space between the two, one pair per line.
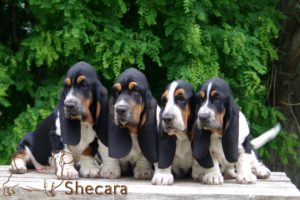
180,99
164,100
84,85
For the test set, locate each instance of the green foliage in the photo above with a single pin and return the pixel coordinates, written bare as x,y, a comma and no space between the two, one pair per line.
191,40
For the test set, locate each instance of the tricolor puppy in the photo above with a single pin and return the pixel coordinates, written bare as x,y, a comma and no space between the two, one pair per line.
69,135
132,136
221,138
176,122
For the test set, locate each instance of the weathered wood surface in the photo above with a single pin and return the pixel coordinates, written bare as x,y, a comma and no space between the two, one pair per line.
278,186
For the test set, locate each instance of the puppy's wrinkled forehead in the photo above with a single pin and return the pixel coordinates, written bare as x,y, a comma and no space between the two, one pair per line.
131,79
215,87
178,88
79,72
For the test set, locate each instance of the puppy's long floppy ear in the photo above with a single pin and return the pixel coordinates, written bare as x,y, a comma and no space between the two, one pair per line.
148,136
70,129
230,136
119,140
166,150
200,147
99,110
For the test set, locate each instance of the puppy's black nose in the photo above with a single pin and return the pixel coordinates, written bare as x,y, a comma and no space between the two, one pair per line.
70,105
121,109
203,116
167,118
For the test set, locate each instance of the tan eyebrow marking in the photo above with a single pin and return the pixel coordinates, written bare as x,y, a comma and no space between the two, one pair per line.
202,94
165,94
80,78
68,81
179,91
213,93
132,84
118,87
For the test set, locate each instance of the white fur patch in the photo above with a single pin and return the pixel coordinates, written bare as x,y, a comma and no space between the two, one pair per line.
173,110
87,136
183,158
162,176
89,167
142,167
71,97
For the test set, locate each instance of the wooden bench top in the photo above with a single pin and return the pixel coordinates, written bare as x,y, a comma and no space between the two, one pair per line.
32,186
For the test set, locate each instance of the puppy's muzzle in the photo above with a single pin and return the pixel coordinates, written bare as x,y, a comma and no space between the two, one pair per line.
168,119
72,109
121,110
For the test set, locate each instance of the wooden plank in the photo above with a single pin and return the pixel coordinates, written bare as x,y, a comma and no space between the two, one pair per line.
278,186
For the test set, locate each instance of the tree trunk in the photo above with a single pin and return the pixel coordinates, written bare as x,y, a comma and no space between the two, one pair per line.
287,86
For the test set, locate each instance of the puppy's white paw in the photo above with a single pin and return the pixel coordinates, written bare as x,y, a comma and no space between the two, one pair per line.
213,178
110,171
18,166
246,178
89,167
161,178
68,172
92,171
144,173
261,171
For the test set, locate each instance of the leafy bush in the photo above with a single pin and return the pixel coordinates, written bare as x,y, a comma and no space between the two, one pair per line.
192,40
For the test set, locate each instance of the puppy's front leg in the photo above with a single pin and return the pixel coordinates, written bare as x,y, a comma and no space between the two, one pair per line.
162,176
211,176
143,169
64,163
110,167
243,168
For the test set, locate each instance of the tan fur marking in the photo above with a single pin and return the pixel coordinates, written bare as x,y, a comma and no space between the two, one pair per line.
132,129
20,154
165,94
68,81
98,109
186,112
179,91
220,120
137,110
202,94
118,87
86,103
88,151
132,85
80,79
213,93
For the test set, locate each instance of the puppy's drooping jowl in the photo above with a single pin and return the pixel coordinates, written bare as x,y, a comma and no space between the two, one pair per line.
176,122
221,141
69,135
132,136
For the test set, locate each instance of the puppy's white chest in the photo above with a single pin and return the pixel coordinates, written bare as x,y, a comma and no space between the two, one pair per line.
216,149
87,135
183,156
135,152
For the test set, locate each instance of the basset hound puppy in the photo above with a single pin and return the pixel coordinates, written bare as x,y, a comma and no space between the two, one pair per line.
176,121
221,141
69,135
132,136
